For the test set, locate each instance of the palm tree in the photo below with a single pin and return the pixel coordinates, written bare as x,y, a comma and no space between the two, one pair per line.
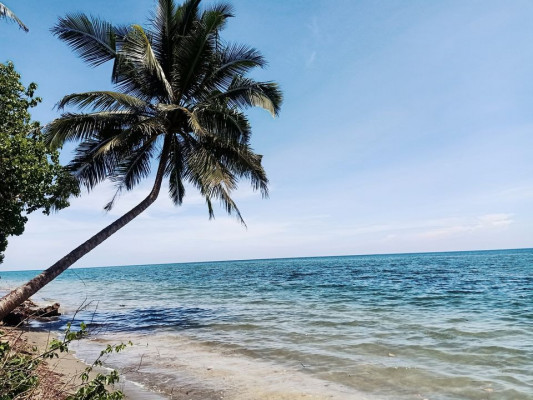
7,13
179,100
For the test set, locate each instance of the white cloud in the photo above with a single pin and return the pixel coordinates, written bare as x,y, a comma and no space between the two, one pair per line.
495,220
467,226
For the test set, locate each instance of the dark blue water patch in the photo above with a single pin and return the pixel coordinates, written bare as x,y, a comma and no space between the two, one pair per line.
138,320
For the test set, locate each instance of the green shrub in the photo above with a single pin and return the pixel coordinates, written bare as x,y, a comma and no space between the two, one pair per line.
17,372
19,377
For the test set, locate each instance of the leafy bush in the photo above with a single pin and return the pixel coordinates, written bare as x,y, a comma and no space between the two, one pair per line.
31,176
17,373
19,378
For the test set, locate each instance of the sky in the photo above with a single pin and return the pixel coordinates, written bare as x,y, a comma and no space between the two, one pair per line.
406,127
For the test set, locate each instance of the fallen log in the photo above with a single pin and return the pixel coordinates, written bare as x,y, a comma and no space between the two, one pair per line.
30,311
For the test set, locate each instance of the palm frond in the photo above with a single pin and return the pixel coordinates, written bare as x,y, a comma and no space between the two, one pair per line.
237,59
135,166
229,60
186,15
244,92
223,122
216,16
90,165
93,39
206,170
210,209
85,126
164,33
149,126
175,170
139,65
196,50
238,158
8,14
109,206
104,101
103,157
223,195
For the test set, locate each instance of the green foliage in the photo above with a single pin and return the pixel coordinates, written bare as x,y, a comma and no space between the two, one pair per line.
96,389
18,376
31,177
17,373
61,346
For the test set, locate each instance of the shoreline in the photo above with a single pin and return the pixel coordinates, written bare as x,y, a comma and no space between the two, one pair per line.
197,373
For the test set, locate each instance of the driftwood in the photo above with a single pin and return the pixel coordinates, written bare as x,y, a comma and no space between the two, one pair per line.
29,310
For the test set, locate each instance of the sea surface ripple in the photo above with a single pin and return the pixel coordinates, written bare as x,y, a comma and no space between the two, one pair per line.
435,325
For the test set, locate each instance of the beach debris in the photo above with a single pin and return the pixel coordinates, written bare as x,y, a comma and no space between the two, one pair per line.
392,355
30,311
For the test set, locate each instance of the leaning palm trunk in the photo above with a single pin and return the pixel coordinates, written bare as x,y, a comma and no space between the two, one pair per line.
10,301
178,84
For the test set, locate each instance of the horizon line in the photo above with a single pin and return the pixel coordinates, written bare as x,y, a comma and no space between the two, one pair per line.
285,258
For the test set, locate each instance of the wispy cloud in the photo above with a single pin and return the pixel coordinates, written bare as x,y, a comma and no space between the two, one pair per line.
462,226
311,60
316,37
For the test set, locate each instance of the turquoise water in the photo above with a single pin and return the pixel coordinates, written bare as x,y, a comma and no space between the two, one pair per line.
436,325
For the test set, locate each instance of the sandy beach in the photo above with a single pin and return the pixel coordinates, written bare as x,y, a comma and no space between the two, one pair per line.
198,373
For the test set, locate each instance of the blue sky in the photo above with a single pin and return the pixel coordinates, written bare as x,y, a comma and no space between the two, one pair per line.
407,126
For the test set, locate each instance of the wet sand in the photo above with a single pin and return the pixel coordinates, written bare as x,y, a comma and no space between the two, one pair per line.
184,369
198,373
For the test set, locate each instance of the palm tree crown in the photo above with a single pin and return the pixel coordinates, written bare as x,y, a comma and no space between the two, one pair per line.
180,94
7,13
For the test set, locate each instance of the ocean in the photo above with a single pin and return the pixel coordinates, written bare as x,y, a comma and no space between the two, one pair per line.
437,326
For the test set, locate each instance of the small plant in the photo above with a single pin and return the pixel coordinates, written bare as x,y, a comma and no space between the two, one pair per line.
96,388
17,372
18,369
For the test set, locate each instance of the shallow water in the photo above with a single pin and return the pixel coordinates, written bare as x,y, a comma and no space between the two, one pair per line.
437,326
